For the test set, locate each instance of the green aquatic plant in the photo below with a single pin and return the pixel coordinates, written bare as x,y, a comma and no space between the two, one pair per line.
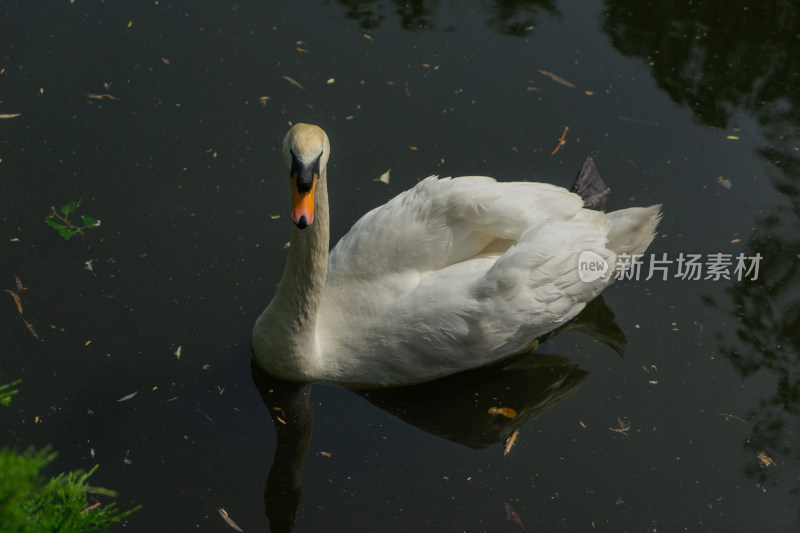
64,504
7,391
62,224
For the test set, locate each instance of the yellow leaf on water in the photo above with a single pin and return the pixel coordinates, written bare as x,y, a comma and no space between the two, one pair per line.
16,300
325,454
9,115
165,60
130,23
87,343
765,460
505,411
178,352
732,137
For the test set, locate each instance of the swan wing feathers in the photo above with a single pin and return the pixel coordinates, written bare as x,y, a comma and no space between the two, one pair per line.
441,222
468,269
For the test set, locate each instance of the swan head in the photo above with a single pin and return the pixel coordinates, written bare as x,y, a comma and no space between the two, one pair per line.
305,152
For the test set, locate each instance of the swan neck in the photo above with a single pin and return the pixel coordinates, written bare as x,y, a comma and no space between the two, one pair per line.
300,290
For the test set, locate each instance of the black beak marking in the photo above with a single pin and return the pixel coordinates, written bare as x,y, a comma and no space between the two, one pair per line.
304,175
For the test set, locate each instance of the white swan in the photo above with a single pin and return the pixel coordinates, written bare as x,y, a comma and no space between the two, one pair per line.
450,275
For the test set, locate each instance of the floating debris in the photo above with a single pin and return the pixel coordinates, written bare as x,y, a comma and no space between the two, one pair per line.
17,300
765,460
512,516
128,397
562,141
384,178
728,415
9,115
556,78
228,520
510,441
104,96
293,82
623,427
505,411
30,328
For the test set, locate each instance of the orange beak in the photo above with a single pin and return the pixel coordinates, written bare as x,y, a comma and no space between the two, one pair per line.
303,204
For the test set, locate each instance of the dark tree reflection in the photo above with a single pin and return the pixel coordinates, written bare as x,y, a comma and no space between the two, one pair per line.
511,17
720,60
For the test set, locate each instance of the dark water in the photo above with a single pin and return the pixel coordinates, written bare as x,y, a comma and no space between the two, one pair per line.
184,172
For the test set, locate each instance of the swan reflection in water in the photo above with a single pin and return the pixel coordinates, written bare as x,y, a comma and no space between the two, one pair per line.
455,408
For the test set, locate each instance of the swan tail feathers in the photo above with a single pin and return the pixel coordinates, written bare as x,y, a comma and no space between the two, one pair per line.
633,229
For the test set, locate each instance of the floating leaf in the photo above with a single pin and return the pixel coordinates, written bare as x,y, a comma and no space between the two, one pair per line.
623,427
384,177
9,115
178,352
505,411
70,207
224,514
510,441
165,60
330,81
556,78
512,516
325,454
52,222
765,460
128,397
30,328
89,222
293,82
104,96
16,300
263,100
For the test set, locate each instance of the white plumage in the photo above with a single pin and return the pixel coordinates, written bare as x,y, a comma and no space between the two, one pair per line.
450,275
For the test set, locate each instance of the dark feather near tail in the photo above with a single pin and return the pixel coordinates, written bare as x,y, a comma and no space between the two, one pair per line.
590,186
